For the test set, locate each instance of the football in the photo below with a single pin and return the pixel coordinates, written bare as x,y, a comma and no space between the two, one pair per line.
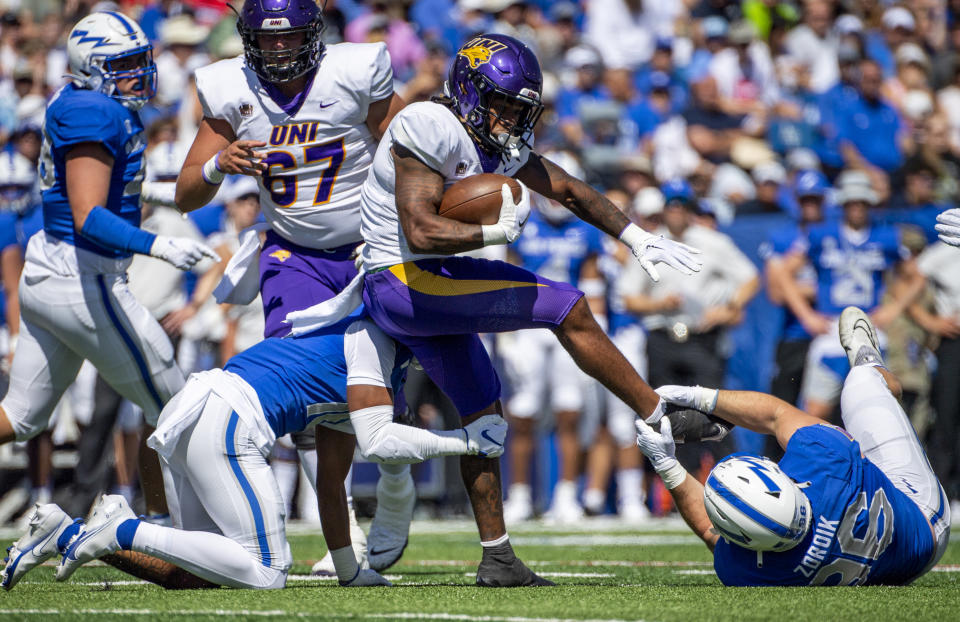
476,200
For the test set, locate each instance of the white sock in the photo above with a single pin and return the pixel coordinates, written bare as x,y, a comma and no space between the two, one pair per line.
394,486
630,486
307,505
594,499
210,556
286,473
519,493
345,564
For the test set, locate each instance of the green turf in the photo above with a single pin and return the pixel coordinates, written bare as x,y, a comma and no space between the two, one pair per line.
670,582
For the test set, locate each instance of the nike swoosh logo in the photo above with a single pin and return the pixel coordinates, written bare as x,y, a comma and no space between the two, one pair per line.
484,434
323,105
382,551
83,538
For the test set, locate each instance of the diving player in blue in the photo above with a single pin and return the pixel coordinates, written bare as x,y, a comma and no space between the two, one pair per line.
74,300
857,505
215,436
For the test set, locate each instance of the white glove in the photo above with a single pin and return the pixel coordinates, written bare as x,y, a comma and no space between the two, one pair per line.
485,436
949,226
650,249
512,217
367,578
659,448
696,397
183,253
357,255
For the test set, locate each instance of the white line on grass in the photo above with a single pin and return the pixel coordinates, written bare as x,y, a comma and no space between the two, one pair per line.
297,614
605,540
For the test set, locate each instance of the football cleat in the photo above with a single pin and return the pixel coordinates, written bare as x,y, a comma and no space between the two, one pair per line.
38,544
859,338
358,540
500,567
486,435
98,537
367,578
565,508
391,524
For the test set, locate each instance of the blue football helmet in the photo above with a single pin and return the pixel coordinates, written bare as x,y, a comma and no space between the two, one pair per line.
499,70
281,17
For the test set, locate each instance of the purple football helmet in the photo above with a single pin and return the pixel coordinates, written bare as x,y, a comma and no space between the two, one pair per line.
281,17
500,70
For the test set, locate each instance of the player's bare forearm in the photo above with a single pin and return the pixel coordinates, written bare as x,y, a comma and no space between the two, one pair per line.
762,413
419,192
543,176
688,497
164,574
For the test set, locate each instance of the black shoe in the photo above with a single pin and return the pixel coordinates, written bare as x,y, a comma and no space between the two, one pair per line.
500,567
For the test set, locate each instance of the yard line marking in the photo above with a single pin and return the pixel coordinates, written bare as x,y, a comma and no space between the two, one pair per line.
302,614
577,575
573,562
692,572
606,540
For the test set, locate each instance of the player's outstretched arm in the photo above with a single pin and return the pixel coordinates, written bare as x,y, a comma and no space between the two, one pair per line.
686,491
755,411
215,153
553,182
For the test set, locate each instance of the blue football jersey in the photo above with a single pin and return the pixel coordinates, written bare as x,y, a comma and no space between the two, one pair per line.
76,116
851,272
864,531
557,251
300,379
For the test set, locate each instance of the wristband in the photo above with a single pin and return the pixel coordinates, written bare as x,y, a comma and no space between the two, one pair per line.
633,235
673,475
493,234
211,172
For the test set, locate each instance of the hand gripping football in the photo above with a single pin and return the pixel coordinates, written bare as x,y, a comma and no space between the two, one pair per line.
476,200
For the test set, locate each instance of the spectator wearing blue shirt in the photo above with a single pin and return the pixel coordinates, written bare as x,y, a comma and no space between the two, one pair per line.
870,129
833,102
660,74
587,88
916,204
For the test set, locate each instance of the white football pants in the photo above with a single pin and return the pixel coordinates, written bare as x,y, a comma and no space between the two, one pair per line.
231,514
876,420
68,316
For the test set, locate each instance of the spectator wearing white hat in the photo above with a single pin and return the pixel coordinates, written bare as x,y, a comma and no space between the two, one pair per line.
898,27
913,70
769,178
181,38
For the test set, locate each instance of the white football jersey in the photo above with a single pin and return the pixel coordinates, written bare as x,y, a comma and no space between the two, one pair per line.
433,133
318,157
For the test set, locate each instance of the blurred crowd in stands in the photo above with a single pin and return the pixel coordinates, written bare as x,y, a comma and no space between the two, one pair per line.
805,146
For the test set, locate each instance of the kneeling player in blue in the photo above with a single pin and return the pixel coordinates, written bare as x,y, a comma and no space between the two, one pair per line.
215,435
857,505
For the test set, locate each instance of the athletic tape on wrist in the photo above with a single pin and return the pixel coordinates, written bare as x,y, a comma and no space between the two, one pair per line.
672,475
211,172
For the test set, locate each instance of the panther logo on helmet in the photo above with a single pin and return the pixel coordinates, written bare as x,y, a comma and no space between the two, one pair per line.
478,51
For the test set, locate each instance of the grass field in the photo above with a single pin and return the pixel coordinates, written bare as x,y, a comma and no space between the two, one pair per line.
603,573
